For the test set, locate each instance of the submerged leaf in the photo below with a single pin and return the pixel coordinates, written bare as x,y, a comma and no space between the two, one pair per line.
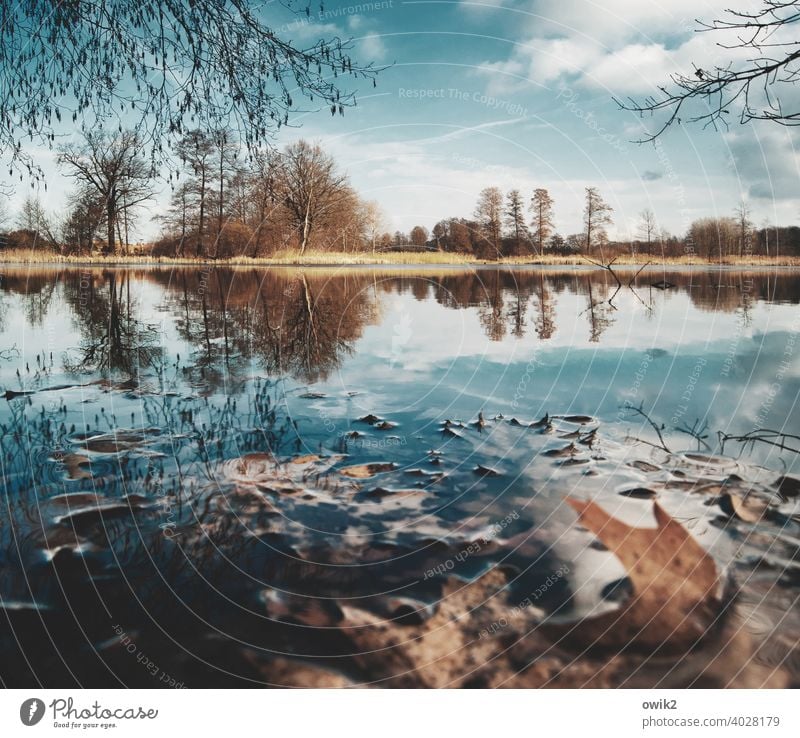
674,581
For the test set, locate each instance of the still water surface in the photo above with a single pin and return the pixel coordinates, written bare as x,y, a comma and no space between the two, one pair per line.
178,449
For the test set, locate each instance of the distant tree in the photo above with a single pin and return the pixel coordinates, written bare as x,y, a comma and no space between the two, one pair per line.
745,226
515,220
374,221
84,220
648,227
215,64
31,215
440,233
400,238
575,242
418,235
311,188
343,229
557,243
489,214
196,152
226,150
4,210
464,236
179,217
264,199
34,223
714,238
542,207
115,168
596,216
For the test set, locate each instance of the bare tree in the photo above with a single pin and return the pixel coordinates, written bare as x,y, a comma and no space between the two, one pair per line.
515,219
418,235
489,213
31,214
115,168
225,153
35,222
312,188
265,196
3,210
215,63
760,87
196,151
85,217
178,217
542,207
596,216
744,226
374,222
648,227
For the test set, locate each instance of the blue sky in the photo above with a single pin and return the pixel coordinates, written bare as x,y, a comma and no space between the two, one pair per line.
519,95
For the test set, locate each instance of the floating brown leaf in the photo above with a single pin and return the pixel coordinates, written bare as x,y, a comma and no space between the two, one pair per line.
644,466
569,450
674,580
486,471
363,471
305,459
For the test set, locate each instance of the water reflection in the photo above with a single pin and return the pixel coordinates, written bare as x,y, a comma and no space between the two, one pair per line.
247,472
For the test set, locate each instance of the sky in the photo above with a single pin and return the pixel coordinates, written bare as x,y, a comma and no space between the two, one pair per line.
521,95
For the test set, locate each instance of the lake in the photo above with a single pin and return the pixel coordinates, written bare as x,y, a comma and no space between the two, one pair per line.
358,476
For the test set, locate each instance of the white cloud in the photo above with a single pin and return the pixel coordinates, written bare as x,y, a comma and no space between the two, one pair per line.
766,161
371,47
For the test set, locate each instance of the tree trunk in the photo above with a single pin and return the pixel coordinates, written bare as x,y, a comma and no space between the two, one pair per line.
110,213
202,213
307,221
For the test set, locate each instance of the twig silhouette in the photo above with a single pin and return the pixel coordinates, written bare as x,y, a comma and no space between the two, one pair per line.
655,426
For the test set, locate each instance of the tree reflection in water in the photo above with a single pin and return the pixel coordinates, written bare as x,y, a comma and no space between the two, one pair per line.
157,481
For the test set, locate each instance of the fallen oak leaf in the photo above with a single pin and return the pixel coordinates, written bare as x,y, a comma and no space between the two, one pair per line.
674,581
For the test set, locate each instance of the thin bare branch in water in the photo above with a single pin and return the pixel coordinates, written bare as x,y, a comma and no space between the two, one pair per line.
10,353
778,439
639,410
638,272
608,267
697,431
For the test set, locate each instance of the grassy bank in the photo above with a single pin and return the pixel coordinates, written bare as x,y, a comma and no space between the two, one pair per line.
333,258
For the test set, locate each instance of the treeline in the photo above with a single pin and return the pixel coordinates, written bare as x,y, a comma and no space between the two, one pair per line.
221,204
224,204
507,225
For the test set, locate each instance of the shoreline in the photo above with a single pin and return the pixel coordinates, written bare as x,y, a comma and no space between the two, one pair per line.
407,258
